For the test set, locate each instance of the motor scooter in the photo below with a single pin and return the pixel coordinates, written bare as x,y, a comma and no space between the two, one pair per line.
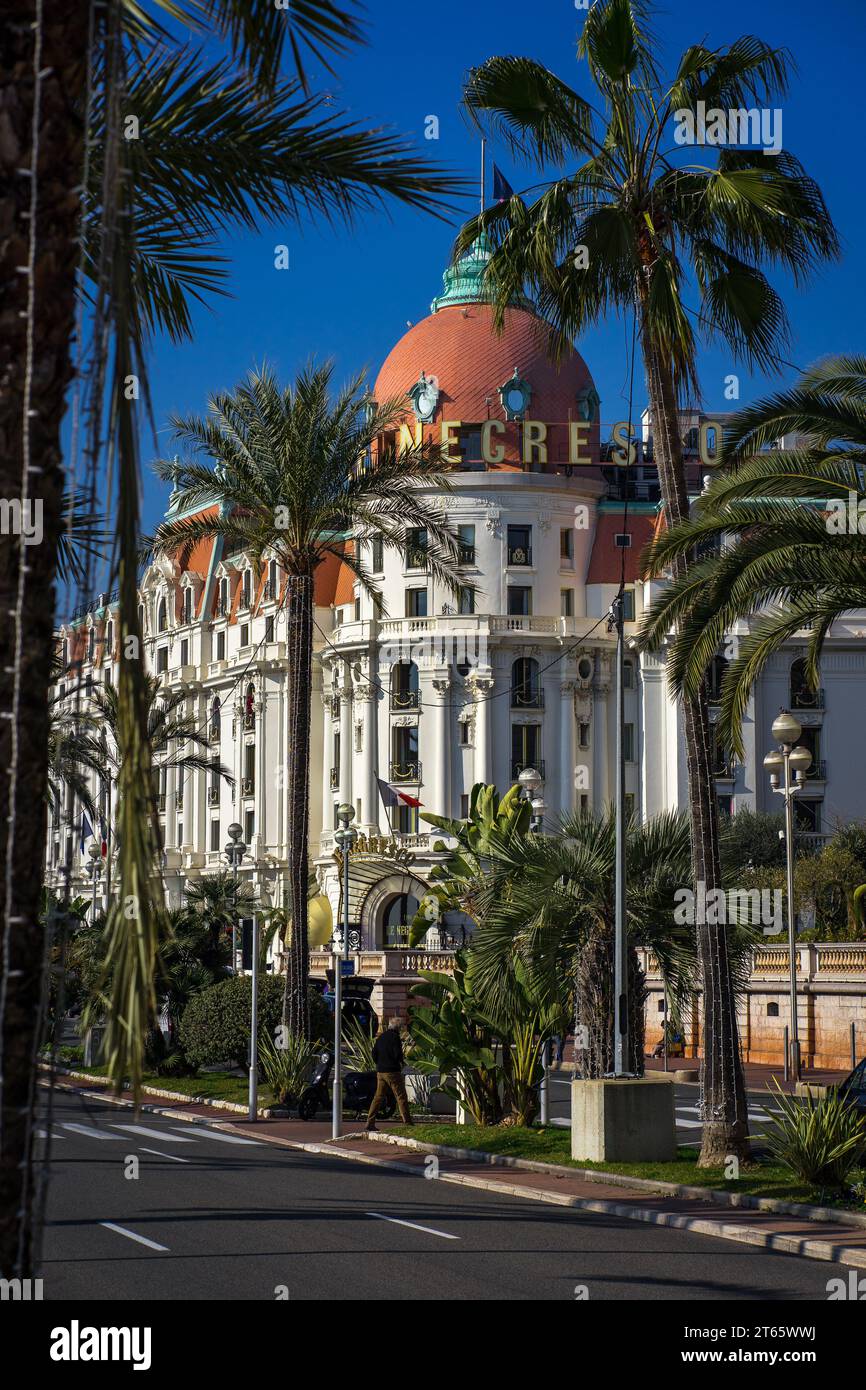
359,1087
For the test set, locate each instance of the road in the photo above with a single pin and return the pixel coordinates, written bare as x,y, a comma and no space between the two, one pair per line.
685,1103
211,1216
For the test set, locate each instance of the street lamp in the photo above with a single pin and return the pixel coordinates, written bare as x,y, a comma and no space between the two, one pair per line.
529,782
538,809
234,852
94,869
790,763
344,838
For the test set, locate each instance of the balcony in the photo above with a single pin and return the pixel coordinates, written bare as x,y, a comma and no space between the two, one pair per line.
214,733
335,779
807,699
527,699
248,786
520,555
213,796
178,801
466,555
517,768
416,558
405,699
222,609
160,802
818,771
269,592
250,720
405,772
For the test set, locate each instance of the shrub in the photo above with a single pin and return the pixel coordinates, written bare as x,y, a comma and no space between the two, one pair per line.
215,1026
820,1139
285,1068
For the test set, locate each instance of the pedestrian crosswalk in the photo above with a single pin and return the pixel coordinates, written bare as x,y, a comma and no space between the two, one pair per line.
188,1134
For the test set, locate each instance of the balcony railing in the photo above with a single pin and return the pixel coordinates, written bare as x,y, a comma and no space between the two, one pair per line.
248,786
517,768
807,699
160,801
222,609
519,555
818,771
213,796
466,555
405,772
405,699
416,558
250,719
214,734
335,779
521,698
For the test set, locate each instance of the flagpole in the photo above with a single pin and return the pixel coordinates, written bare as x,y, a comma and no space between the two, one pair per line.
385,804
483,151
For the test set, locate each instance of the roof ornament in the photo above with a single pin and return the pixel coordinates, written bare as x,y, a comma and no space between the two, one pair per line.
588,402
515,396
424,396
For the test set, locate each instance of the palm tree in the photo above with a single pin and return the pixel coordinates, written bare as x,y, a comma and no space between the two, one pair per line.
247,148
291,482
176,739
74,757
651,228
218,900
774,530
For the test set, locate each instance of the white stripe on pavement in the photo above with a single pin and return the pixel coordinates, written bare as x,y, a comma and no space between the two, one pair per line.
90,1131
155,1134
131,1235
43,1134
174,1157
202,1133
428,1230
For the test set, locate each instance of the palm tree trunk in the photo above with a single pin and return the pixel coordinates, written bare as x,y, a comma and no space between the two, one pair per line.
59,172
725,1129
594,1006
299,652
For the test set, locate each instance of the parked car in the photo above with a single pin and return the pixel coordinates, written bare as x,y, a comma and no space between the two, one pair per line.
853,1088
356,998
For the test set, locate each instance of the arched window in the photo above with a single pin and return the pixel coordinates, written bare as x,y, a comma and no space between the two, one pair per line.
273,583
162,616
714,677
803,693
109,641
187,605
250,706
404,685
91,644
397,918
525,684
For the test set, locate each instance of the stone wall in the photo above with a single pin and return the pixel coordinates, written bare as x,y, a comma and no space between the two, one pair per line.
831,996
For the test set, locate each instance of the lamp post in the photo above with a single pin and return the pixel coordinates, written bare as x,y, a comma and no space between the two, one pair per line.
94,868
529,781
620,962
789,759
234,852
345,838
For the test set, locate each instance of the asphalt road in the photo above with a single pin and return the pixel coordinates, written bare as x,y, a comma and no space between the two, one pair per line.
210,1216
685,1103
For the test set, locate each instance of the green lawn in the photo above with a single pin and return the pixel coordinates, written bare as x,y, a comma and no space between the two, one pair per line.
210,1085
554,1146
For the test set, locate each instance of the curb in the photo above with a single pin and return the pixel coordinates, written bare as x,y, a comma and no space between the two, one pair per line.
731,1199
231,1105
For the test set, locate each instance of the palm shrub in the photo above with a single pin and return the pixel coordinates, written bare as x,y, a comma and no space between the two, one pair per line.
452,1039
631,223
820,1138
357,1046
285,1064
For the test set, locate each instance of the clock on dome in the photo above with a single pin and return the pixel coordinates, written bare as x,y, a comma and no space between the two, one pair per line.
515,396
424,396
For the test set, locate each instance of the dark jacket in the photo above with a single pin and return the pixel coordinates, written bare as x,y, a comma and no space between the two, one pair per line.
388,1051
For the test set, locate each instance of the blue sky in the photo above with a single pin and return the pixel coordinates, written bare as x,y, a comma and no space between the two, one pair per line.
349,293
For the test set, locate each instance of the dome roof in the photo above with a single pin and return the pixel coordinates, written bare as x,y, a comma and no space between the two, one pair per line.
470,361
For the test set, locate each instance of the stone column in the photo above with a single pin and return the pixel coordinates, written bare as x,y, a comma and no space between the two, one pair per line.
482,689
346,751
327,761
440,753
600,760
566,747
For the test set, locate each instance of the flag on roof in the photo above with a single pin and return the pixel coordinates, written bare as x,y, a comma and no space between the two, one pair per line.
86,830
393,794
502,189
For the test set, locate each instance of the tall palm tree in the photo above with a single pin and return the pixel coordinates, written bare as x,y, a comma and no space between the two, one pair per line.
779,534
66,75
291,480
652,228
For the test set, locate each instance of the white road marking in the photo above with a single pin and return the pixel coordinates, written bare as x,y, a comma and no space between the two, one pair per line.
154,1134
174,1157
43,1134
90,1132
428,1230
202,1133
132,1235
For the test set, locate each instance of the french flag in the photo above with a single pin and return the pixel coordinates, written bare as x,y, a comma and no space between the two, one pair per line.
392,795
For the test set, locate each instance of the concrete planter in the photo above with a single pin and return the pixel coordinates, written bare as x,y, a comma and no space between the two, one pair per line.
628,1121
421,1088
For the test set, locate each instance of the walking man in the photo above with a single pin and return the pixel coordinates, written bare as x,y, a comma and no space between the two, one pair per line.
388,1056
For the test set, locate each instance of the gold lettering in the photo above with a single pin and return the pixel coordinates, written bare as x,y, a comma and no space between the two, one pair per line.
622,435
577,431
707,459
406,440
534,435
447,440
492,453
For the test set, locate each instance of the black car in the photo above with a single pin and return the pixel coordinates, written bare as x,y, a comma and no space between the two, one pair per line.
356,998
853,1088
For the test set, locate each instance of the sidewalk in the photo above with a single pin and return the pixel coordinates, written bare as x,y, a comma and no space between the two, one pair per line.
758,1075
704,1213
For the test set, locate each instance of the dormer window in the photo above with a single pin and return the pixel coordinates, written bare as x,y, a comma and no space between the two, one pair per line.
515,396
588,402
424,396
